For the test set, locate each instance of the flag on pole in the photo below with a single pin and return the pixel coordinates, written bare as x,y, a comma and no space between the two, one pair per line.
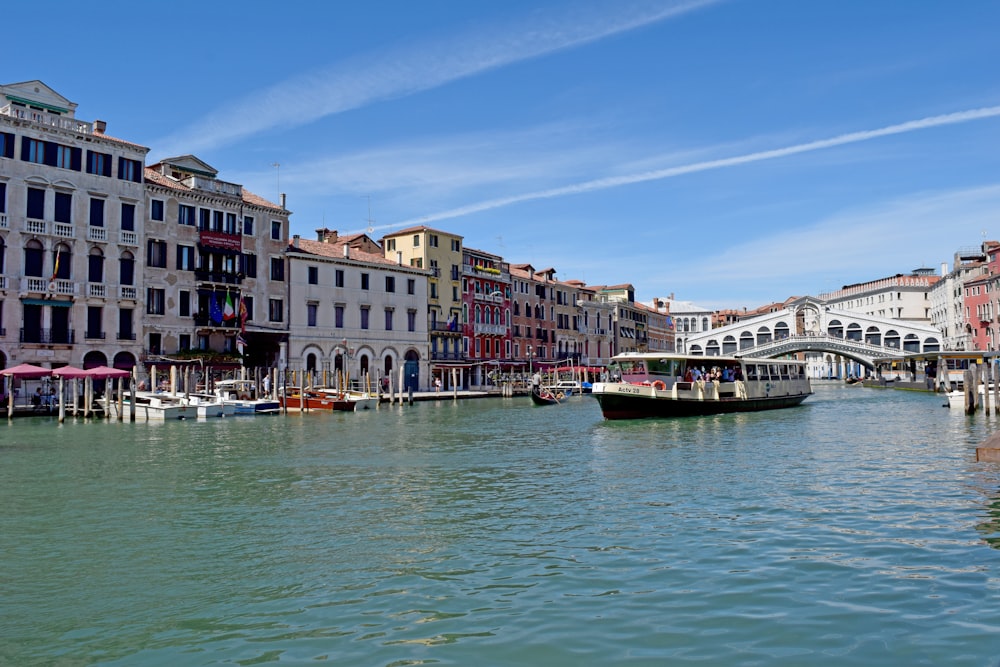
240,343
228,312
214,310
55,266
670,322
243,314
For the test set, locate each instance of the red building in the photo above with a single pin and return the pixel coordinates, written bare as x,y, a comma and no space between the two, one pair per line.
981,300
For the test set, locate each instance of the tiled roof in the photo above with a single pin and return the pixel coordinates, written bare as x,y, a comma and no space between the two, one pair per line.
155,177
335,249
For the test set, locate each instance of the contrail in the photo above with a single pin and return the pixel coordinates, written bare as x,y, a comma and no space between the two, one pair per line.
613,182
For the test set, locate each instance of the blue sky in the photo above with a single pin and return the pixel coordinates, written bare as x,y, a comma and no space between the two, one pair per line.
731,152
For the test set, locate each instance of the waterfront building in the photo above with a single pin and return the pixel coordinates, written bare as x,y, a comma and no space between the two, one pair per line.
947,296
688,319
215,267
981,302
72,216
898,297
595,322
661,326
529,335
440,253
486,316
355,313
629,320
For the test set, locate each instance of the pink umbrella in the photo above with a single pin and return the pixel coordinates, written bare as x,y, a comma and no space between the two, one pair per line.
27,371
104,372
69,372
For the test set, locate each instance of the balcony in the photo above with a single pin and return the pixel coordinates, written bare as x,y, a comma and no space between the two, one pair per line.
48,336
128,238
98,234
447,356
63,230
490,298
3,282
218,277
33,226
442,327
126,335
45,118
128,293
97,290
94,335
3,221
491,329
204,320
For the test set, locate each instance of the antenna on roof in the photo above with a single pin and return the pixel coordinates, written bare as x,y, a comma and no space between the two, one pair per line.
371,221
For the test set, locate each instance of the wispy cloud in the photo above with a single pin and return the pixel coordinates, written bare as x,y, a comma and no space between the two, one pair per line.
371,78
671,172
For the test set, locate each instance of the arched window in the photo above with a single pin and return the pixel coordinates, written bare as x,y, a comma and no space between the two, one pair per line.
891,339
873,336
746,340
835,329
763,335
62,262
780,330
854,331
126,269
728,345
33,255
311,362
95,266
932,345
911,343
712,348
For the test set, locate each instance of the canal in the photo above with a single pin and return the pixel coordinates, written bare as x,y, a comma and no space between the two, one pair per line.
855,529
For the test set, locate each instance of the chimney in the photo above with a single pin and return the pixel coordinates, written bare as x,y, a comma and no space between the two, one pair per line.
283,195
347,250
100,126
295,241
944,268
325,235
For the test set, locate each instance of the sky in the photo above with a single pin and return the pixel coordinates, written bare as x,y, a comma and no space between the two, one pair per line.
731,153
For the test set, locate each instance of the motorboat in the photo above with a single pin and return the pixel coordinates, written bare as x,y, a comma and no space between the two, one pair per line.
679,385
242,395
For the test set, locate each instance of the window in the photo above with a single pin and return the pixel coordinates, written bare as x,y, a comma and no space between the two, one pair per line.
434,290
411,286
128,217
338,316
217,222
125,330
185,258
126,270
96,212
275,310
339,278
364,281
204,219
411,320
6,145
390,244
156,209
156,254
277,268
155,299
3,197
388,319
416,240
98,163
129,170
313,275
390,284
432,240
364,316
248,302
64,207
36,204
456,245
64,157
248,225
230,227
33,150
275,230
95,266
311,311
250,265
95,317
184,304
183,342
185,215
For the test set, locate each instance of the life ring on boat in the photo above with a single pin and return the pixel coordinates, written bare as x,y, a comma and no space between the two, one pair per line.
659,385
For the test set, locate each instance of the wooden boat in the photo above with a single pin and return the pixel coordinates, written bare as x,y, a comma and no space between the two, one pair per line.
543,397
314,399
679,385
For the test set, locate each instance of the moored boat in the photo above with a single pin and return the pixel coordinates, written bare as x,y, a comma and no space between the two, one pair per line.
542,396
153,406
241,395
679,385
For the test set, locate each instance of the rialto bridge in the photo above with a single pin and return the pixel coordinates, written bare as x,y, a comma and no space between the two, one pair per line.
836,342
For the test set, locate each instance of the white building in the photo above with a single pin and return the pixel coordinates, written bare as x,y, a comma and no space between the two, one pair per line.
355,313
688,319
946,296
72,212
898,297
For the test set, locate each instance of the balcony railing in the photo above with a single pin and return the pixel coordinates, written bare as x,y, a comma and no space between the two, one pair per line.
447,356
3,282
217,277
442,327
94,335
99,234
3,221
48,336
97,290
127,292
491,329
63,229
125,335
33,226
128,238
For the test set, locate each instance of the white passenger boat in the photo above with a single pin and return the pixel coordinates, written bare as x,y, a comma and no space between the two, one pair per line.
206,406
240,394
678,385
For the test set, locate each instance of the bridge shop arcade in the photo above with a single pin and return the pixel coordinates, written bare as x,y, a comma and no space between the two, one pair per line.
944,371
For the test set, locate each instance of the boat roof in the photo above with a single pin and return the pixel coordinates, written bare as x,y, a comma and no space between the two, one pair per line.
697,358
980,355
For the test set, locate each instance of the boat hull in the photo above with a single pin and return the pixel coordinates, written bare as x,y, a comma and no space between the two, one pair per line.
624,406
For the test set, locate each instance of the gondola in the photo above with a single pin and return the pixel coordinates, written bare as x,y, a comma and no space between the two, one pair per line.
543,397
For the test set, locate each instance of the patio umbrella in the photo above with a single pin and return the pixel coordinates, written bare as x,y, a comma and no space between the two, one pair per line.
26,371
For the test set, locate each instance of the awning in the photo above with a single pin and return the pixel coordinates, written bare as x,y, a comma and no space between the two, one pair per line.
58,303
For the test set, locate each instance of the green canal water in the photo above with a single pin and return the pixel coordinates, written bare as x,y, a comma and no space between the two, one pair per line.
857,529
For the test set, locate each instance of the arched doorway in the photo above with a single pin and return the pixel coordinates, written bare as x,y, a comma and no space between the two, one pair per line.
411,370
93,359
124,361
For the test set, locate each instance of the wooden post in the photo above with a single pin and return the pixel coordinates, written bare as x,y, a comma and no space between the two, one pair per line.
401,385
62,400
10,397
986,388
969,381
121,398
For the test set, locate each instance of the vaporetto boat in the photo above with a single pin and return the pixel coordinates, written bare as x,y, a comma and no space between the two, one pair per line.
679,385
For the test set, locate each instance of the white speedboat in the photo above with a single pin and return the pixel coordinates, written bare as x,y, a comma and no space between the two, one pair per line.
153,406
241,394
